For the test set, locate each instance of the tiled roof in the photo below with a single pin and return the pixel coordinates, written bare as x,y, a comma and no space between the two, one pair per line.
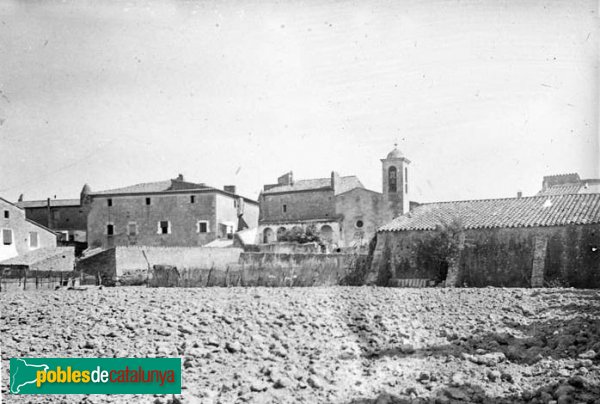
557,210
145,187
167,186
38,255
346,184
43,203
589,186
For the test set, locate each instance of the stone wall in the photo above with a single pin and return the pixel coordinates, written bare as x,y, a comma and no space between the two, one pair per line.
178,209
499,257
62,261
359,204
220,266
61,217
304,205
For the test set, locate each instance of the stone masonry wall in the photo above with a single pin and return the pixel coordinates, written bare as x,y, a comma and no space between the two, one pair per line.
359,204
499,257
313,204
177,209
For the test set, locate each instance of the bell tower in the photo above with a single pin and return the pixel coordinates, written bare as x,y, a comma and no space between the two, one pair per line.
395,174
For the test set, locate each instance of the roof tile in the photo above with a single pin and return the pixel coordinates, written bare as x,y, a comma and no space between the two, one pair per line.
497,213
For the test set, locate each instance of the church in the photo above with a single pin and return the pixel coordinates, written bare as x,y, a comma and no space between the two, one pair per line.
344,212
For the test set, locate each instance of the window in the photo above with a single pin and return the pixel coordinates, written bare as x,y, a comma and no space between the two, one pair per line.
33,239
6,214
109,202
192,198
284,208
7,236
148,201
392,181
359,224
110,229
202,226
71,237
164,227
56,215
132,229
235,203
406,180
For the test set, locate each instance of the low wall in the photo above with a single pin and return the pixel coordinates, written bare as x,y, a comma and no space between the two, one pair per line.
289,248
270,269
201,266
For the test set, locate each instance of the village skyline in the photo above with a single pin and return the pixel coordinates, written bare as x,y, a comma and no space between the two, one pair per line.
484,99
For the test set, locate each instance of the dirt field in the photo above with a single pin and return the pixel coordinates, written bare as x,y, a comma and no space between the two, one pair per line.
324,345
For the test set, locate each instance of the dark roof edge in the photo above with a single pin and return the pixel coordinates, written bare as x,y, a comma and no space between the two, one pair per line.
275,222
41,226
363,188
380,230
176,191
504,199
327,188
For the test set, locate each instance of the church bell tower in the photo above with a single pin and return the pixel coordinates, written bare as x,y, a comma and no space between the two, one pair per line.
395,184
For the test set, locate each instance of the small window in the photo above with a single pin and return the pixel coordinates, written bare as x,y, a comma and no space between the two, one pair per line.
284,208
7,238
148,201
71,237
6,214
192,198
132,229
235,203
164,227
359,224
110,229
202,226
109,202
56,215
33,239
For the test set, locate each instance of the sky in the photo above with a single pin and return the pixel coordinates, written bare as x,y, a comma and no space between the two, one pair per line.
483,97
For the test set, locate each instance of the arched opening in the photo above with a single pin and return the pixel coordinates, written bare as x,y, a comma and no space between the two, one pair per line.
392,179
268,235
326,233
280,232
442,271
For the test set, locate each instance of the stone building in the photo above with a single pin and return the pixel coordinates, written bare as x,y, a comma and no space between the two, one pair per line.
343,211
171,213
520,242
65,216
19,235
569,184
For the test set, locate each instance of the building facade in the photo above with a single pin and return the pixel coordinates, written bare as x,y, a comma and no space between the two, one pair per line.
513,242
166,213
65,216
19,235
339,208
569,184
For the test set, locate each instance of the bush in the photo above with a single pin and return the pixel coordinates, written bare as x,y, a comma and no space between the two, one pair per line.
299,235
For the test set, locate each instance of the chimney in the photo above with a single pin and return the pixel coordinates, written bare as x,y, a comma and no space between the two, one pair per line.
519,194
229,188
286,179
179,177
48,213
335,180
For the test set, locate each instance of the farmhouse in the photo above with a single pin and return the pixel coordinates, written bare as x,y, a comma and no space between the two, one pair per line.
171,213
520,242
